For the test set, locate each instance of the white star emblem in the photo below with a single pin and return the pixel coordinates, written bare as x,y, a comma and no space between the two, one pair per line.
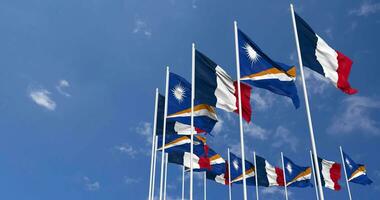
289,168
235,164
251,53
348,163
179,92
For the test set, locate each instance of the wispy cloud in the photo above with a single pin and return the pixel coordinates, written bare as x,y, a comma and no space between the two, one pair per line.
91,185
145,129
130,180
283,137
142,28
262,100
62,85
42,98
317,84
274,191
355,115
256,131
127,149
366,8
194,4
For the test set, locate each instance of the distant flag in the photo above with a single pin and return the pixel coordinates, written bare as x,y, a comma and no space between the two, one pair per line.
179,105
268,175
330,173
215,87
257,69
172,127
320,57
237,172
356,173
220,176
296,176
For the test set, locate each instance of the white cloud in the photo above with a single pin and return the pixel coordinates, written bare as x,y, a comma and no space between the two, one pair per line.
256,131
283,137
145,129
142,28
129,180
41,97
127,149
62,84
91,185
329,33
355,115
218,126
315,82
274,191
262,99
194,4
366,8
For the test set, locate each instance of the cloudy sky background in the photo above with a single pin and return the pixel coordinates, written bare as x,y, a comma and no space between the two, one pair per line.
77,85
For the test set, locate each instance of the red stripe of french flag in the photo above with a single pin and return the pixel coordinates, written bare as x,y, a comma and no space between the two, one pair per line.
344,68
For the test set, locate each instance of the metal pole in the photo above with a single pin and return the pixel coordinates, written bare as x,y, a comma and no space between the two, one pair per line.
192,118
154,166
166,174
204,186
164,132
283,169
345,173
183,182
314,177
153,143
240,110
256,178
313,145
229,175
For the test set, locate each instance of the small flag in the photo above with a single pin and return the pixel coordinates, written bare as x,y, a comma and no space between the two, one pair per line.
296,176
237,172
356,173
215,87
267,175
257,69
179,105
320,57
330,173
219,177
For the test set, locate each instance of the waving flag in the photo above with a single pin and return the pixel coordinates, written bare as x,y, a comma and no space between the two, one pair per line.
237,172
215,87
267,175
257,69
330,173
356,173
219,176
320,57
179,105
296,176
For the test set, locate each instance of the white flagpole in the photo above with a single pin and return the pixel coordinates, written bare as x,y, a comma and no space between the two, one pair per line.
183,182
166,174
313,145
314,177
154,166
164,132
345,173
229,175
192,118
283,169
153,143
240,110
204,186
256,178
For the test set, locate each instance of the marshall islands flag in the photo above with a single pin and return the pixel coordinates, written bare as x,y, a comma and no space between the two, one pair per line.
296,176
356,173
257,69
320,57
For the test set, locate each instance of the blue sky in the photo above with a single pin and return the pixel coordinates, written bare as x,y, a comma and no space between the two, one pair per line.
77,85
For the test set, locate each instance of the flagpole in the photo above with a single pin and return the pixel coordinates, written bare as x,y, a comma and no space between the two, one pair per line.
240,110
192,118
313,145
315,179
164,132
183,182
256,178
166,174
204,186
229,175
283,170
153,143
345,173
154,166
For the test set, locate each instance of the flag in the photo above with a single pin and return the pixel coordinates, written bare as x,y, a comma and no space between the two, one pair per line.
172,127
296,176
219,177
321,58
268,175
179,105
257,69
177,142
237,172
330,173
356,173
215,87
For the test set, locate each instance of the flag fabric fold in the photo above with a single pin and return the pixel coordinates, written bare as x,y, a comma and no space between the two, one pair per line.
321,58
296,176
236,171
268,175
330,173
258,70
356,173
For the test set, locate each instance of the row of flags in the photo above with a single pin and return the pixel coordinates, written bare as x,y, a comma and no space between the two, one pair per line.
221,171
191,109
